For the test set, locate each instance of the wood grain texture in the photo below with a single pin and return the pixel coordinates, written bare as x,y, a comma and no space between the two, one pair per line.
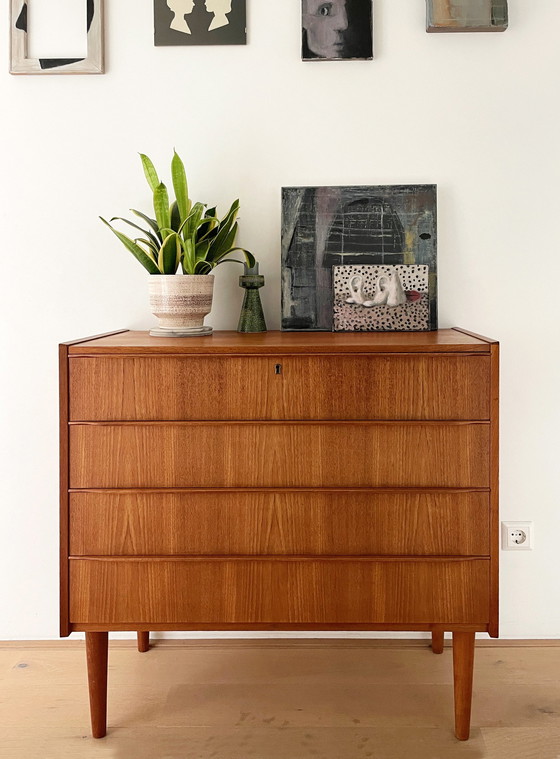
233,343
97,658
463,664
279,455
63,485
495,492
341,699
308,388
277,591
276,523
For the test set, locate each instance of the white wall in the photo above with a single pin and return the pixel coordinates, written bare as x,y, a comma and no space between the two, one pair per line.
477,114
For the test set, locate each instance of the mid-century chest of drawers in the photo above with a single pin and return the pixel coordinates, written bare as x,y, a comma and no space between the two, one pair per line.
282,481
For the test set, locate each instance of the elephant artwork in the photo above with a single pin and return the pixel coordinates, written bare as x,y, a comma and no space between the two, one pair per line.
200,22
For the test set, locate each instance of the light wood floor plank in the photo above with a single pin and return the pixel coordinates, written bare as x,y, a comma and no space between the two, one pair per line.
237,701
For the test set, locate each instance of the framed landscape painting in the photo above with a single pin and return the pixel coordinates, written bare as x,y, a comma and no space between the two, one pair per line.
327,227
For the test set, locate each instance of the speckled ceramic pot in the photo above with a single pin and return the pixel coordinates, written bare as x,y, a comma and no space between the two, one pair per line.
181,301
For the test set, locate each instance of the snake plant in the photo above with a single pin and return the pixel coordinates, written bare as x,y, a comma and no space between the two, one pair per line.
182,234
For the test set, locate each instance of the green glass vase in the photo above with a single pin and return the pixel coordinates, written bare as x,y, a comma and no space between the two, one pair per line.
251,318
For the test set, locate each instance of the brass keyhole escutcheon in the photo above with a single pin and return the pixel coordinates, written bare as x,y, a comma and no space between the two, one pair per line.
278,369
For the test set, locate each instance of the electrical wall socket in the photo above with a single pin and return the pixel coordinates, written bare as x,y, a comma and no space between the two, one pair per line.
517,536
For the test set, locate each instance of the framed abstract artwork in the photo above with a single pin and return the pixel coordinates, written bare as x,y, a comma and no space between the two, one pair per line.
466,15
207,22
381,298
337,30
387,227
21,63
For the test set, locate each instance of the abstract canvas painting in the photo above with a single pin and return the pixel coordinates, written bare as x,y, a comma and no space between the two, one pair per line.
200,22
337,30
21,12
381,298
324,227
467,15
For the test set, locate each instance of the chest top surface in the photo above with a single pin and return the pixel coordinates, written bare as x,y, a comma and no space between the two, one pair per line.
126,342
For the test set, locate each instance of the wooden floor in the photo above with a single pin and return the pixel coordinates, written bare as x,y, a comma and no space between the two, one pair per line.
279,700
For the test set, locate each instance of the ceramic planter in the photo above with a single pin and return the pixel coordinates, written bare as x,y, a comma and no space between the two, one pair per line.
181,301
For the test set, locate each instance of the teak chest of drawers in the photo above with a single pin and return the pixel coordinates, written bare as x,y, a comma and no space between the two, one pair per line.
280,482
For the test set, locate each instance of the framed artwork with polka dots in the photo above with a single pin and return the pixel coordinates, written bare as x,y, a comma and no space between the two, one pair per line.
381,298
387,231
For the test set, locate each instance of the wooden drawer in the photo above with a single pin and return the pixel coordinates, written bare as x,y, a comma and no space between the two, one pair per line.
279,455
308,388
281,591
275,523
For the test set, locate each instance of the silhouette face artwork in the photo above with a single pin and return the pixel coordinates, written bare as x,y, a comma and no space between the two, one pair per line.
219,8
180,9
325,24
200,22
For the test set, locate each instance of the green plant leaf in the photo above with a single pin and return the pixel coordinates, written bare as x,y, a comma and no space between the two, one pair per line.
151,222
208,228
189,257
202,267
175,216
249,257
141,229
153,250
201,250
222,243
190,225
170,254
222,240
161,206
135,249
150,172
180,185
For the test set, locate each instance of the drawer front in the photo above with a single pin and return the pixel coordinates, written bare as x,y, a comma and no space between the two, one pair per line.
130,591
279,455
307,388
226,523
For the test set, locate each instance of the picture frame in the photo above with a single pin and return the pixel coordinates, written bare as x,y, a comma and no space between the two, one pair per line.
21,63
466,16
339,30
326,227
207,22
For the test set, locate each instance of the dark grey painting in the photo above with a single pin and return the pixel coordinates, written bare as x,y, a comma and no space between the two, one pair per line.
337,30
200,22
467,15
324,227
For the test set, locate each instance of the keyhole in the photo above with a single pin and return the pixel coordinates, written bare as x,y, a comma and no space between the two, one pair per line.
278,369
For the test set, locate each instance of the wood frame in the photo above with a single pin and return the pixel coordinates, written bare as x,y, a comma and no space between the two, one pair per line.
21,63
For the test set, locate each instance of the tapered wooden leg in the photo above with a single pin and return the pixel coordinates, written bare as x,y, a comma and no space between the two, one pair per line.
463,663
143,641
437,641
96,652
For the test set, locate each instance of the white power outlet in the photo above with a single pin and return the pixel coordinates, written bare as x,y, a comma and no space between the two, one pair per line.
517,536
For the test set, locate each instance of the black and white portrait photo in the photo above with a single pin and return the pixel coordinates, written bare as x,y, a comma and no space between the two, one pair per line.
200,22
337,30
